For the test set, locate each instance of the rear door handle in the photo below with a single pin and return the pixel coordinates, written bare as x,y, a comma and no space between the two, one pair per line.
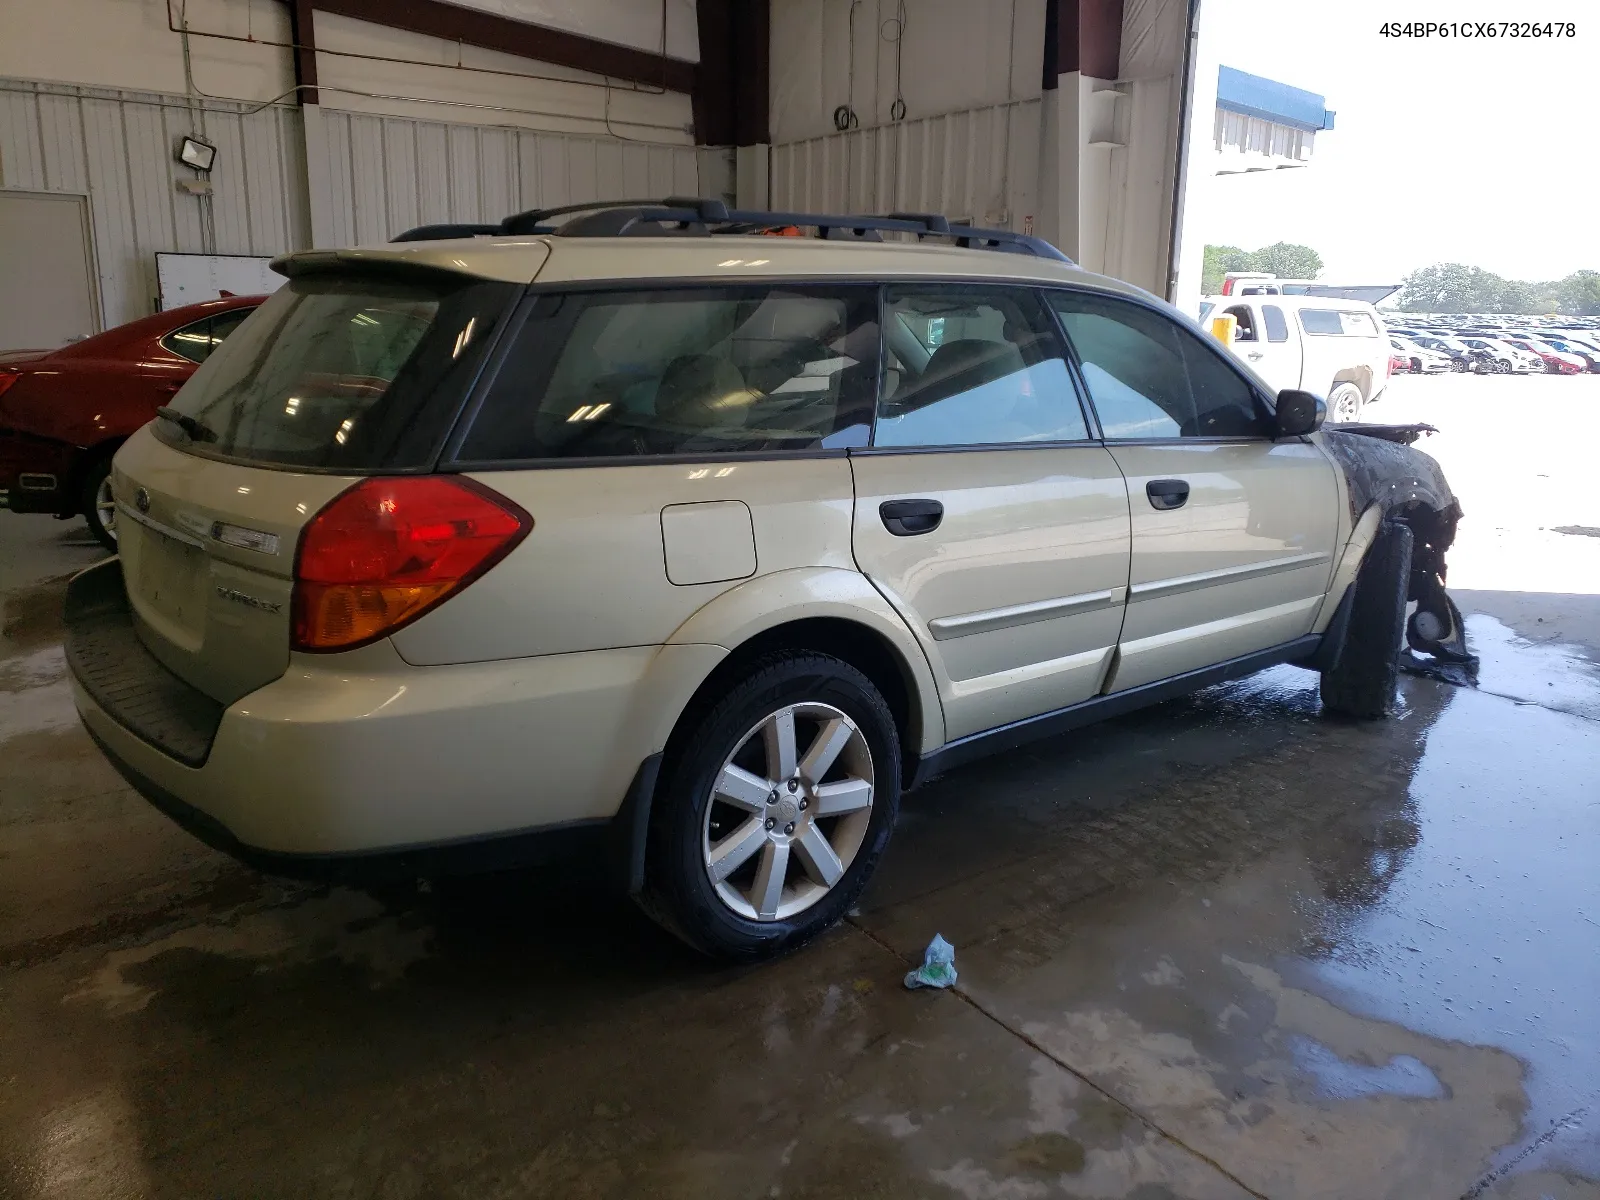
1167,493
1254,356
907,518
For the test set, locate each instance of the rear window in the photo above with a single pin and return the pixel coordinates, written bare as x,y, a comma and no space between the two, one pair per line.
1326,322
197,340
694,371
343,374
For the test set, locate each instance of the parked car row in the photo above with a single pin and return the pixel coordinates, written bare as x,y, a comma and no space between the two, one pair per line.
63,413
1499,346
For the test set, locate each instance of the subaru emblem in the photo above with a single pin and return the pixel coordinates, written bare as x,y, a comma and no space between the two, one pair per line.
141,500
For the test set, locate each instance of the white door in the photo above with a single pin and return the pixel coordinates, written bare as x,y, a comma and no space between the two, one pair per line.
1271,349
47,286
1233,533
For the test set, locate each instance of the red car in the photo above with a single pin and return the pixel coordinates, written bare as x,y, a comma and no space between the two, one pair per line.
1555,362
63,413
1399,364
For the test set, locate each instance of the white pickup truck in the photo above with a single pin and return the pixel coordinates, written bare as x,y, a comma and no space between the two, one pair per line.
1338,349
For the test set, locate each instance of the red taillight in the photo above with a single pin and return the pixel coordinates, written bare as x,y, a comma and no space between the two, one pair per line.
8,380
388,550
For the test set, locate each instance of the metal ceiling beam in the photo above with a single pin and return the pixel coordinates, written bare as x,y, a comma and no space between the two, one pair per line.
474,27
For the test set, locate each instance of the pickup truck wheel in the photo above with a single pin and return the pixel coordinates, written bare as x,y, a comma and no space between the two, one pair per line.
1344,403
774,807
98,506
1362,683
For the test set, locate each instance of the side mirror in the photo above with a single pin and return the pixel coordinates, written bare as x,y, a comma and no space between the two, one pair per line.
1299,413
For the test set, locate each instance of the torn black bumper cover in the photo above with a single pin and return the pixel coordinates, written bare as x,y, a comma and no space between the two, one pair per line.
1382,466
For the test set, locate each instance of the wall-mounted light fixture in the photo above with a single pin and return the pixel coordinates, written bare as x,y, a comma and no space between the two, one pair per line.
197,154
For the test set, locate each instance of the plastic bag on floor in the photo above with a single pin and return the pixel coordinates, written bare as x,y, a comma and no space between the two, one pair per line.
938,969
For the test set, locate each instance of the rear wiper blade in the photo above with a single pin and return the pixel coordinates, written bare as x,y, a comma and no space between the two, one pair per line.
197,430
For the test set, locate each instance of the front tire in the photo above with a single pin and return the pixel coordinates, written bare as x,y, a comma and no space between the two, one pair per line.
775,804
1344,403
97,504
1362,683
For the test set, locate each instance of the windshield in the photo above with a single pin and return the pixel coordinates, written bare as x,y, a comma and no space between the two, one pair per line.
342,374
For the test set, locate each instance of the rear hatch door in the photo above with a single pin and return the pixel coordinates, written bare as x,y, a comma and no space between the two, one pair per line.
339,376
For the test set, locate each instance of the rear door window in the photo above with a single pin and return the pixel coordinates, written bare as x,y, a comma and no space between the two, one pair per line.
343,373
1277,327
972,366
1327,322
683,371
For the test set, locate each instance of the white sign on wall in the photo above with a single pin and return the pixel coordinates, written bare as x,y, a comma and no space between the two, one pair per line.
191,278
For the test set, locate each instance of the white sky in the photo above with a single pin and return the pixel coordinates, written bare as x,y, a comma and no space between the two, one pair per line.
1444,150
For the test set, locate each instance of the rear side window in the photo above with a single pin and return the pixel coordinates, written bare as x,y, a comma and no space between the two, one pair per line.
344,374
698,371
1326,322
198,339
1150,378
972,366
1277,327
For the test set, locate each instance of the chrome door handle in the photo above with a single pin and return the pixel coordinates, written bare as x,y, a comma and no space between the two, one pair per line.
1254,356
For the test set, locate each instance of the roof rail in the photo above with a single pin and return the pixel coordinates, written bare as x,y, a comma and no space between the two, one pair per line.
701,216
434,233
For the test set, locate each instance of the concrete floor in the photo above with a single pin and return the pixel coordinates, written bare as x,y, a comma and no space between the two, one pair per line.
1226,947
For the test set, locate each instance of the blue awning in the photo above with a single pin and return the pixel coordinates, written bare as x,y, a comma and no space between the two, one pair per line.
1241,92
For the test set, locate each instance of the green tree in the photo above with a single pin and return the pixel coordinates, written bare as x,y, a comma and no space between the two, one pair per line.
1288,260
1578,293
1458,288
1219,260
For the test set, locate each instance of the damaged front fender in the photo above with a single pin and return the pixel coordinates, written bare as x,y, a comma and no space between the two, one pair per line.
1383,468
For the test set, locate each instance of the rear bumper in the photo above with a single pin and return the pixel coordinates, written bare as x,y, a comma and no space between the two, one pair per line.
619,840
361,763
36,473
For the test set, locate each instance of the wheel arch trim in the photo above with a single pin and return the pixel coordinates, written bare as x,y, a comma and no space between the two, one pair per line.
769,603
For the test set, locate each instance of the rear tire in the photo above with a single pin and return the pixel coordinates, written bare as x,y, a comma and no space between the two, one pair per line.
836,824
98,506
1344,403
1362,683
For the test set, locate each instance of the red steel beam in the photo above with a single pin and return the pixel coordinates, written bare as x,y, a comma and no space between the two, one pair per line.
302,32
455,23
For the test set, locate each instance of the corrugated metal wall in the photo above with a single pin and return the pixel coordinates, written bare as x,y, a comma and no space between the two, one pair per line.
982,164
386,173
390,173
117,148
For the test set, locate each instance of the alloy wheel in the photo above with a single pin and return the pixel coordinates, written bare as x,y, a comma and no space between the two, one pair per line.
789,811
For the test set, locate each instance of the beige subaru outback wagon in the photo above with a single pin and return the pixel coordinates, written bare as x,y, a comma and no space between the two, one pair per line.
653,528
